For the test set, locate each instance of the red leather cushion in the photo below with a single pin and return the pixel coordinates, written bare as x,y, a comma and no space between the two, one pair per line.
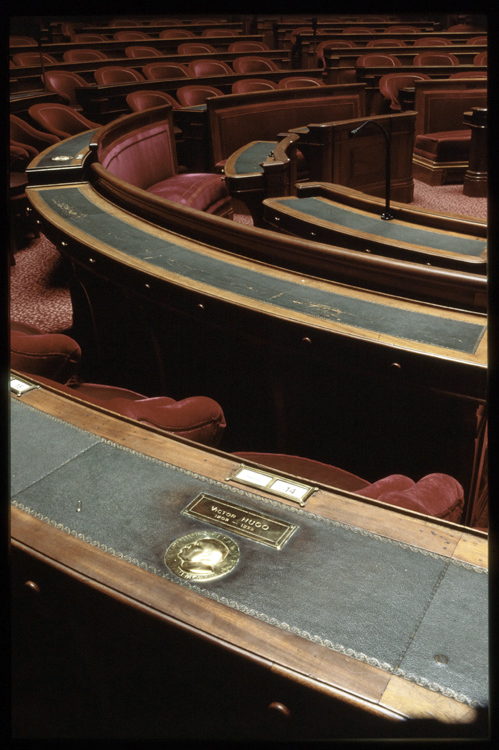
197,418
452,145
394,482
201,191
52,355
437,495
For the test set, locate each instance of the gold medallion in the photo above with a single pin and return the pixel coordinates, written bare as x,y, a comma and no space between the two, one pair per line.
202,556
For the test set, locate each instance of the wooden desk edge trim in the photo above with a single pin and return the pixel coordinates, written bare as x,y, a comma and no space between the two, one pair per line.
102,572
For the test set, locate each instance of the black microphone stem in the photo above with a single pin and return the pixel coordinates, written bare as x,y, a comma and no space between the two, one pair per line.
387,214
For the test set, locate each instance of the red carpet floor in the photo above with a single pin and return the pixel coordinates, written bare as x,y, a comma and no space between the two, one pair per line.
39,292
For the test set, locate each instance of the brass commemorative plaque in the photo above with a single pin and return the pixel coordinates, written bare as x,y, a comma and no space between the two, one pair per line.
202,556
242,521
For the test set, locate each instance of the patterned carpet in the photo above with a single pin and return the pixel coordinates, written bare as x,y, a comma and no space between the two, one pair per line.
39,292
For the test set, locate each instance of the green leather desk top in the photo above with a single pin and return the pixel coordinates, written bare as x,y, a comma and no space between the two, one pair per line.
248,159
80,212
69,152
329,214
387,603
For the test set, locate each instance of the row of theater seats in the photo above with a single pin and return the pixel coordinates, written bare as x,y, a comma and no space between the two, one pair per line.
421,59
52,359
64,84
29,59
239,65
129,36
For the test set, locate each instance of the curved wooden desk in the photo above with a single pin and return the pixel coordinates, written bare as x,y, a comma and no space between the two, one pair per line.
349,218
300,365
151,651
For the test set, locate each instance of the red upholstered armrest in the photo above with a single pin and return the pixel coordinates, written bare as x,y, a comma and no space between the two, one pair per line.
197,418
52,355
438,495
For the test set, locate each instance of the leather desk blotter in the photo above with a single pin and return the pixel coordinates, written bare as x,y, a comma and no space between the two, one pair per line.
321,209
404,610
378,316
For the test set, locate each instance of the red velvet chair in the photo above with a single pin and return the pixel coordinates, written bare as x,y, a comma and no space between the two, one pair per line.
477,40
26,136
463,27
195,48
90,38
200,68
253,64
357,30
193,95
241,46
219,32
60,120
136,51
32,59
330,46
386,43
120,22
481,58
296,82
401,30
391,83
374,60
53,359
176,34
19,159
245,85
116,74
22,41
438,495
145,156
148,98
83,55
373,19
435,58
300,31
158,70
131,36
431,41
64,83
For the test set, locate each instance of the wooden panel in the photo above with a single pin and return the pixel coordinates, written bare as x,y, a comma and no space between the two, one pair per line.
441,104
262,115
103,605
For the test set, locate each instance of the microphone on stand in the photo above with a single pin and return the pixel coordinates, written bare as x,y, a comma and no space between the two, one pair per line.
387,214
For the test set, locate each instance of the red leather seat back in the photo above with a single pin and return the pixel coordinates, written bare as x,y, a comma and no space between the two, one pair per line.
250,64
60,119
143,157
64,83
52,355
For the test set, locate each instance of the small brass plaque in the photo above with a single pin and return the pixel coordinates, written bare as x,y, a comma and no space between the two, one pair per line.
202,556
242,521
277,485
19,386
